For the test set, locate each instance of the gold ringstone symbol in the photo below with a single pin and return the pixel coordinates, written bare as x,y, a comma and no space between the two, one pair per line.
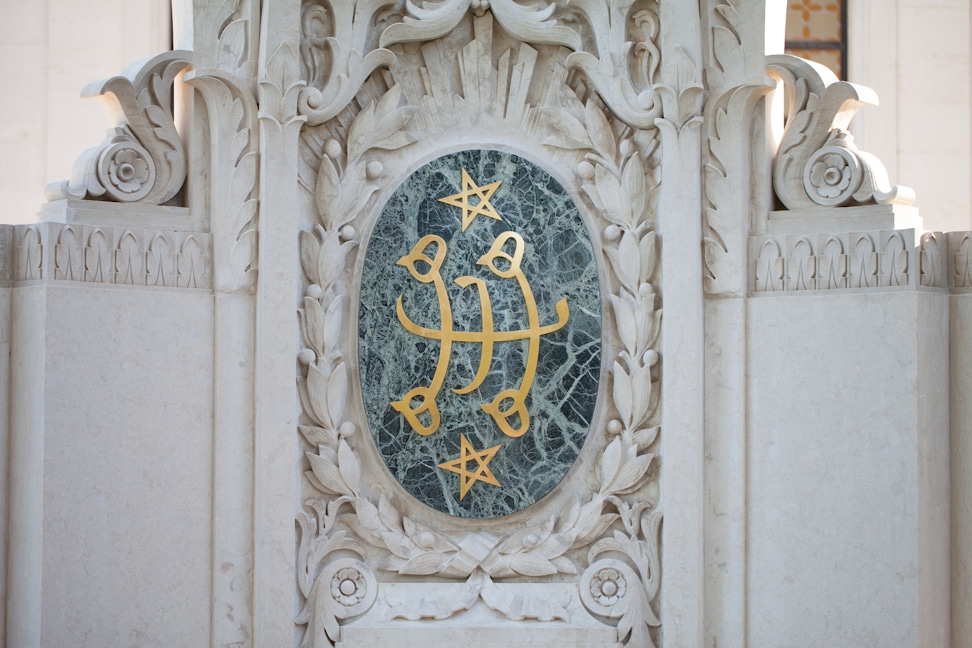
466,454
509,403
504,260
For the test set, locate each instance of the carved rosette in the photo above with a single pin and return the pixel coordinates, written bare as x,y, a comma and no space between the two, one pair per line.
369,112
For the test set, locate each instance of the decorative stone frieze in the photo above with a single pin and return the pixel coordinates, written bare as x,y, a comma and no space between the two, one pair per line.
959,250
6,252
850,260
111,255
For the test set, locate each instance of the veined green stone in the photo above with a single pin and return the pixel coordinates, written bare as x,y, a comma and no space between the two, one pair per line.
558,262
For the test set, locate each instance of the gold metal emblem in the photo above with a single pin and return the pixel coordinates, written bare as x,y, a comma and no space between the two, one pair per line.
466,454
504,259
425,396
481,208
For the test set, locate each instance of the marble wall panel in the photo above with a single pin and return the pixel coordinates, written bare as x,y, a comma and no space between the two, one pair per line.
841,460
4,436
960,312
127,462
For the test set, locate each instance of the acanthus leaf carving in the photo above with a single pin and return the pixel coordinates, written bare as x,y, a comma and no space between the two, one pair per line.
106,255
143,158
232,112
817,162
333,55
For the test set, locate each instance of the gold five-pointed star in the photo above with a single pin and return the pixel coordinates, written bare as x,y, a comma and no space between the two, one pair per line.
466,454
481,208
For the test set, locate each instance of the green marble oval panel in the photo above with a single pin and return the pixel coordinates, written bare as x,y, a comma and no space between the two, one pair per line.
479,333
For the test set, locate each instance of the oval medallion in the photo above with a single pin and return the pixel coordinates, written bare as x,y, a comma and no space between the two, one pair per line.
479,333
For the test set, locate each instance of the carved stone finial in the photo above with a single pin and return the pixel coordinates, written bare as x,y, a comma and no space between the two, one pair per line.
817,162
142,159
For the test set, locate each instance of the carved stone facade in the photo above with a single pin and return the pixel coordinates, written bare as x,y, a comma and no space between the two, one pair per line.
769,423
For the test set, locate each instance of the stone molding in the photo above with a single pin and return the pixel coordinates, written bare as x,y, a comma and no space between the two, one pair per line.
877,259
105,255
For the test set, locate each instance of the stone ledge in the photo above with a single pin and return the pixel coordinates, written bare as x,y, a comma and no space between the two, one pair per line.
102,213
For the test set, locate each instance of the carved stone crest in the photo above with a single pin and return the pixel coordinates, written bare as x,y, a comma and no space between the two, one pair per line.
476,75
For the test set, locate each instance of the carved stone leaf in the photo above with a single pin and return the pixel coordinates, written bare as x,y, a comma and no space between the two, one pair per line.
333,320
244,179
591,190
530,565
625,320
245,214
634,624
310,250
564,565
600,525
610,461
644,437
630,475
716,222
555,545
609,190
424,564
626,264
394,141
600,131
319,436
368,515
244,253
635,195
622,395
349,465
717,190
357,525
315,482
728,53
328,475
648,256
389,514
569,521
514,542
360,131
317,387
337,393
327,617
389,130
641,392
314,325
730,13
330,260
399,545
685,69
326,193
568,131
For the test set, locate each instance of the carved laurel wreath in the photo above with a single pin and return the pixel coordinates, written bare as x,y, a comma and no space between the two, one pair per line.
345,519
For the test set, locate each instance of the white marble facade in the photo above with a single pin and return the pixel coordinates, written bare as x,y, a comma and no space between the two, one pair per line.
780,450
